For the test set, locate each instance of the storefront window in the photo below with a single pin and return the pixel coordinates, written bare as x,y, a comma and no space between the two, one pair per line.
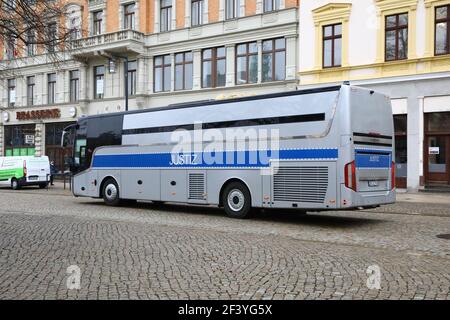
401,154
53,149
439,121
19,140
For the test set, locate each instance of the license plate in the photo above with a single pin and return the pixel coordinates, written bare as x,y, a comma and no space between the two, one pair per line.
32,178
373,183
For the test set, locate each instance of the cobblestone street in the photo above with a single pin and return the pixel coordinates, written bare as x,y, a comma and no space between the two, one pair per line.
177,252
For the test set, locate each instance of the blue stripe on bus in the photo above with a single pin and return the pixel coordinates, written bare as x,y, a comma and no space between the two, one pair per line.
222,158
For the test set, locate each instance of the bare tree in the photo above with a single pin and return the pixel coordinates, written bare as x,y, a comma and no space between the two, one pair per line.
30,28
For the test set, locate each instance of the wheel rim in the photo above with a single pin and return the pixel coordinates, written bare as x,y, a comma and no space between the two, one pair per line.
14,184
111,192
236,200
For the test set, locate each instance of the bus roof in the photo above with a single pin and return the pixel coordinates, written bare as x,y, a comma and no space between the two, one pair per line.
192,104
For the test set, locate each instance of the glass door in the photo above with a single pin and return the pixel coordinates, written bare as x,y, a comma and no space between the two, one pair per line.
437,148
438,166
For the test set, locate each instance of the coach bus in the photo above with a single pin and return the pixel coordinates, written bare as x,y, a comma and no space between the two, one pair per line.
319,149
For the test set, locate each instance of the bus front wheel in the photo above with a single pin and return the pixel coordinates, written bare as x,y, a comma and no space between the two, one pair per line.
111,193
236,200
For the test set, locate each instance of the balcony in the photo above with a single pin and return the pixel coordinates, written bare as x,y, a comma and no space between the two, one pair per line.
125,41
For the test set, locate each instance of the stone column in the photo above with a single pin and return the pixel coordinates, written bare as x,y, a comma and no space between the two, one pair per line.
291,57
259,6
187,13
151,75
2,138
230,61
83,83
205,17
172,72
174,15
156,16
221,10
259,48
197,69
39,139
413,144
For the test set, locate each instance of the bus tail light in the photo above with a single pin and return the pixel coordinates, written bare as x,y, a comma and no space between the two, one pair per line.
392,175
350,175
24,168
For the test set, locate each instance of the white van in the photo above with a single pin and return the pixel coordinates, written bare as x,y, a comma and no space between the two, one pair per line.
24,171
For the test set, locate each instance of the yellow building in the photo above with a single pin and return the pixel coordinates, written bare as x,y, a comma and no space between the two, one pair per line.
399,47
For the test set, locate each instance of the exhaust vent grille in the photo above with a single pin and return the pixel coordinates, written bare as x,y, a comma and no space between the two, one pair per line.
301,184
197,186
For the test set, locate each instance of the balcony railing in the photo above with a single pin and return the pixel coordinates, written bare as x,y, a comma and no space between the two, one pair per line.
107,39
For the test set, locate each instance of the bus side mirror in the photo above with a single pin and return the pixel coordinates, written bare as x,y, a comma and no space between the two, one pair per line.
65,139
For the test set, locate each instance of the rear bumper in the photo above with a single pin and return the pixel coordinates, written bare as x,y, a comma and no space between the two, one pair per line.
26,181
368,199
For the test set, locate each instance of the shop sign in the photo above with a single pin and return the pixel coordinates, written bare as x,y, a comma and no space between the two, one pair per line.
29,139
38,114
433,150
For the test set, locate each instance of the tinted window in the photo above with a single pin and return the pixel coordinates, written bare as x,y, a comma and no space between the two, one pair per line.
103,131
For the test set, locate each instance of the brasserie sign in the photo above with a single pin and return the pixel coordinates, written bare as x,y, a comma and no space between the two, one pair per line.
38,114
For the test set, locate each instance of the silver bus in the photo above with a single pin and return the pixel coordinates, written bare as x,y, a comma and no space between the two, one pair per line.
330,148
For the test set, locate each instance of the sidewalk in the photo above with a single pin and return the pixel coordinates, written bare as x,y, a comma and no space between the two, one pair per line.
433,204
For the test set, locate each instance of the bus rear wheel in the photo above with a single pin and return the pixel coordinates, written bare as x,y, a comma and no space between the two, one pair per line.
110,193
236,200
15,185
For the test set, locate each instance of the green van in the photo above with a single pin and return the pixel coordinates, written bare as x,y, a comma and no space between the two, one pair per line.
24,171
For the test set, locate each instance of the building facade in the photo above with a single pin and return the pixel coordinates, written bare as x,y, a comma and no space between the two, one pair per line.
401,48
175,51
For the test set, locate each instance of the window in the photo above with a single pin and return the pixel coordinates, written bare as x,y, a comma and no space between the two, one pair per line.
396,44
11,92
74,85
247,63
10,48
129,16
51,88
74,29
132,67
401,154
9,4
31,42
51,37
196,12
213,67
16,142
273,60
99,78
30,90
162,73
442,30
166,15
232,9
332,45
97,22
271,5
183,71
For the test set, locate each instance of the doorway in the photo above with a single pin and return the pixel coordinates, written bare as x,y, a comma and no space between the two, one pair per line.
437,148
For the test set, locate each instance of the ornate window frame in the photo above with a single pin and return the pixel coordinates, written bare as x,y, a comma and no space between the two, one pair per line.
391,7
332,13
430,6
